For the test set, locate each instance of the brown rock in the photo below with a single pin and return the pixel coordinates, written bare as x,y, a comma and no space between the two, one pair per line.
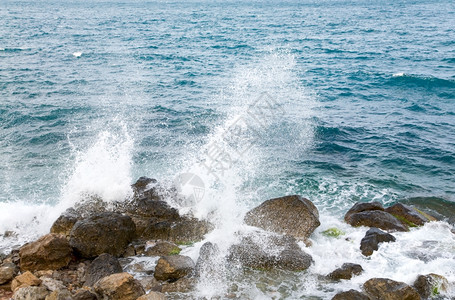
31,293
183,285
120,286
7,272
179,230
430,285
360,207
173,267
351,295
60,294
153,296
407,214
291,215
83,294
377,218
65,222
163,248
23,280
50,252
346,271
52,284
102,233
387,289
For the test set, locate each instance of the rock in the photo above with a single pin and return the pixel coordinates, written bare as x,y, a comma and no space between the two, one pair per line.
434,208
360,207
120,286
104,265
377,218
7,272
163,248
61,294
372,239
23,280
65,222
270,251
173,267
387,289
153,296
141,184
431,285
31,293
149,283
407,214
102,233
346,271
83,294
179,230
351,295
52,284
183,285
206,262
291,215
50,252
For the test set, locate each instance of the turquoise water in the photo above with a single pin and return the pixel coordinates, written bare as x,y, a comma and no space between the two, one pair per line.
94,94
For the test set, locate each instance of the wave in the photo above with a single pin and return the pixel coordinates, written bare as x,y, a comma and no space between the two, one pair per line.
410,80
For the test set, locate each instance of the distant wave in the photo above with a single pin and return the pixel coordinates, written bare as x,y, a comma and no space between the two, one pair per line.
421,81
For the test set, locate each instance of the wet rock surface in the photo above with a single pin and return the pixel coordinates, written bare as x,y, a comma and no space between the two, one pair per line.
372,239
387,289
173,267
346,271
121,286
351,295
104,265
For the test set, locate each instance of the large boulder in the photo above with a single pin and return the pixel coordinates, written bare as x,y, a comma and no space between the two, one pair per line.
207,261
351,295
24,280
346,271
431,285
120,286
162,248
107,232
377,218
408,215
183,229
65,222
7,272
291,215
102,266
387,289
270,251
362,206
373,237
50,252
173,267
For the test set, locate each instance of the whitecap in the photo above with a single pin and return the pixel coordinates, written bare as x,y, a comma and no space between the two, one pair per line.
77,54
398,74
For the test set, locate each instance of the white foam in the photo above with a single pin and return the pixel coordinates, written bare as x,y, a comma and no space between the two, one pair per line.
398,75
77,54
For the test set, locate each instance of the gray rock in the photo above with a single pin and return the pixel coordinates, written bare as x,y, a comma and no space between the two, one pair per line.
104,265
83,294
206,262
360,207
407,214
431,285
378,219
7,272
153,296
65,222
301,216
102,233
173,267
31,293
163,248
346,271
351,295
373,237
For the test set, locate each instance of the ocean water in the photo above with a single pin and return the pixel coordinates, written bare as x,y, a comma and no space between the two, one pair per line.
339,101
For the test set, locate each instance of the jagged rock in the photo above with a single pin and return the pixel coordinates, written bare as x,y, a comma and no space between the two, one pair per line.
377,218
83,294
141,184
205,263
373,237
50,252
407,214
150,283
102,233
351,295
104,265
24,280
31,293
360,207
180,230
430,285
270,251
153,296
65,222
173,267
52,284
387,289
346,271
7,272
183,285
301,216
120,286
60,294
163,248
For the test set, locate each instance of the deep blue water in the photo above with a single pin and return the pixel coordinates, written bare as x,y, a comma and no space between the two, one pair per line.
379,77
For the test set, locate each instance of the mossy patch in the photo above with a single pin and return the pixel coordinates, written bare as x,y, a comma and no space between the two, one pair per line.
333,232
175,251
185,243
405,221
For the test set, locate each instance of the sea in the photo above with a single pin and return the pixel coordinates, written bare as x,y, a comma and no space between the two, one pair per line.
232,103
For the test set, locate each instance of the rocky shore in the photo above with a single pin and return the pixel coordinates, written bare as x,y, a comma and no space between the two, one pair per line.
83,257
